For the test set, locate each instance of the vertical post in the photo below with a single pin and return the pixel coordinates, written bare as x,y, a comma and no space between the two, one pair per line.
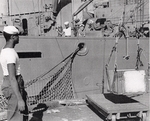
149,61
103,79
137,14
8,8
124,12
142,11
73,25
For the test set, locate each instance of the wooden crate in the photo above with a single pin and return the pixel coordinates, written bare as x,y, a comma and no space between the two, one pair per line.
127,81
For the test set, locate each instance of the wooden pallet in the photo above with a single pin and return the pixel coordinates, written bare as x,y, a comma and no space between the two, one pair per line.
115,107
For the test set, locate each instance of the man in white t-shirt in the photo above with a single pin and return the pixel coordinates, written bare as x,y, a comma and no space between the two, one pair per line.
67,29
13,84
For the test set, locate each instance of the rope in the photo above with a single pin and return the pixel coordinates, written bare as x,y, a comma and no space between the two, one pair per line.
124,12
116,12
138,35
56,86
137,7
59,48
35,80
103,65
139,51
113,49
33,6
119,34
3,102
115,64
17,6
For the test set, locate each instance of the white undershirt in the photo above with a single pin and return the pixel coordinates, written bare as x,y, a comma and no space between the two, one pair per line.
9,56
67,32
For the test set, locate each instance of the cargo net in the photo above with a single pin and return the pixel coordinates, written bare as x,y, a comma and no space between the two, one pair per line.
56,84
3,102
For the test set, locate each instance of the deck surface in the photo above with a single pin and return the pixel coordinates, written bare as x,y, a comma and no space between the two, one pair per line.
84,112
72,113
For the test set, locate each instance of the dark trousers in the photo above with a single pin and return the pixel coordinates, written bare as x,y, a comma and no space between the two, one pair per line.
13,113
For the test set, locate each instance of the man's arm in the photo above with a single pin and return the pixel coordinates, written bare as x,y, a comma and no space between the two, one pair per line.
60,32
14,84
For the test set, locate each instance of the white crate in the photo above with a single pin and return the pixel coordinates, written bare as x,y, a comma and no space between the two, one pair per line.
127,81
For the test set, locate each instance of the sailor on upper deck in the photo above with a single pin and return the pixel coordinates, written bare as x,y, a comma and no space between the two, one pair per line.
67,29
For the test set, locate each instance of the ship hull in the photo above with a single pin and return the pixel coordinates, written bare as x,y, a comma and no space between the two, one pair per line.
88,72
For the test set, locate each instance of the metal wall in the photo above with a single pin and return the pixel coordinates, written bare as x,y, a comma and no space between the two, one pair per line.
88,71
